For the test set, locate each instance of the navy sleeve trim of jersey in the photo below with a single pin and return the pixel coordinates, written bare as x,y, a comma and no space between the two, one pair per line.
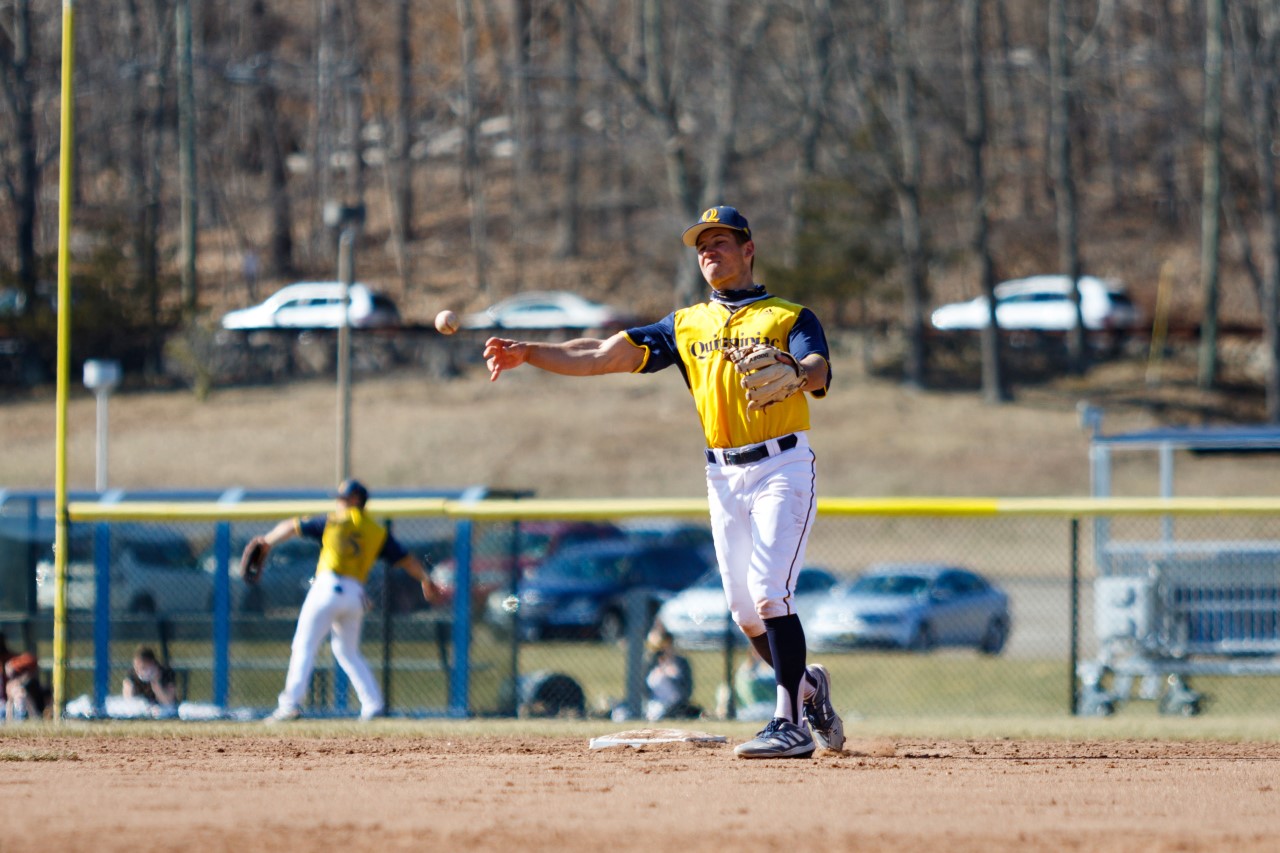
645,359
313,527
808,338
659,341
392,551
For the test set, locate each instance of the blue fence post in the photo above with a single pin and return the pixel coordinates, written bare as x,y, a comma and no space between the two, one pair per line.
101,613
222,613
460,675
33,520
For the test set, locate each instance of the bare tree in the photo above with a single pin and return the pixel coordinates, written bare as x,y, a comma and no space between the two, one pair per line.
815,87
473,183
187,158
569,221
353,103
1235,204
323,125
141,106
916,286
521,109
1211,197
270,132
22,179
656,106
402,145
734,35
654,87
975,110
1265,54
1064,180
1015,112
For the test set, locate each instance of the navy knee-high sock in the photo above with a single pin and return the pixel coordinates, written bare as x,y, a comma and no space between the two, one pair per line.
761,645
787,648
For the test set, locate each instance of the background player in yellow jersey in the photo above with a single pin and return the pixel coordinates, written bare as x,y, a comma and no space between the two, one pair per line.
350,543
760,469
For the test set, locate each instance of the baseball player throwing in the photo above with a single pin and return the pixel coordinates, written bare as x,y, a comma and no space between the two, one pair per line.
350,543
746,357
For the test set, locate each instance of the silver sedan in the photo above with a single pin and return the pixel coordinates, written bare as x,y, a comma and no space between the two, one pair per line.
912,606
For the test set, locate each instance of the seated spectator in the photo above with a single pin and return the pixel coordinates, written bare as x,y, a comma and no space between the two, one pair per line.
152,681
668,679
25,697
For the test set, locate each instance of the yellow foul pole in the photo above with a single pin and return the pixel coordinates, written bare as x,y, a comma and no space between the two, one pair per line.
65,157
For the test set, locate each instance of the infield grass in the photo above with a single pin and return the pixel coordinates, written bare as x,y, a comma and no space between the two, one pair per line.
1257,728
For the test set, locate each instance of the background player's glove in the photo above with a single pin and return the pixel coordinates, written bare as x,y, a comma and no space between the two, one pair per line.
253,559
769,374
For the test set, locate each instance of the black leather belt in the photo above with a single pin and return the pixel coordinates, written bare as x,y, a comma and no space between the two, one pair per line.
751,454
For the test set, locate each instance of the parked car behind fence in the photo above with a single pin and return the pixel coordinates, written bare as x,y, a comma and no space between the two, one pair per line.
912,606
556,309
698,617
152,571
495,564
316,305
582,590
1044,303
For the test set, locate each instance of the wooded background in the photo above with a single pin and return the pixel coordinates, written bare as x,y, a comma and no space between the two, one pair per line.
891,154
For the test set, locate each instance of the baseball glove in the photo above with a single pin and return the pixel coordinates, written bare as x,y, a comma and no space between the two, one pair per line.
769,374
253,559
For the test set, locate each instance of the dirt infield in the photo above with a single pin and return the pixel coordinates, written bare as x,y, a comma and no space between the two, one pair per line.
286,792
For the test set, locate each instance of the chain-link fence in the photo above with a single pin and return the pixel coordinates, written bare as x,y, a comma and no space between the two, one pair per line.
955,608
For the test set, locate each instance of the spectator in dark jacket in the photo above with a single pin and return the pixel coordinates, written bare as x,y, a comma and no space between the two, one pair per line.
668,679
151,680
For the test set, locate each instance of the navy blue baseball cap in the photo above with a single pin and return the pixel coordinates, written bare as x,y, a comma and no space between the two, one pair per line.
717,217
354,491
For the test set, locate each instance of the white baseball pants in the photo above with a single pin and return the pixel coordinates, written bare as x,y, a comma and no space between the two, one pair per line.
334,605
761,517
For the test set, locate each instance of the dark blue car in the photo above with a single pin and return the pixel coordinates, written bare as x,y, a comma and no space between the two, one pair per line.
582,590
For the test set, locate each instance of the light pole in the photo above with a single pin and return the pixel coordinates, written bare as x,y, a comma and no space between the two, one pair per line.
101,377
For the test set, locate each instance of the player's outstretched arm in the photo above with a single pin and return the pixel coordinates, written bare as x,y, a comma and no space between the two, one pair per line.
418,572
581,357
283,531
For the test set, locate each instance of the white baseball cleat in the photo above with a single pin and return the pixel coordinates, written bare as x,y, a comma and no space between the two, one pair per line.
284,715
828,728
780,739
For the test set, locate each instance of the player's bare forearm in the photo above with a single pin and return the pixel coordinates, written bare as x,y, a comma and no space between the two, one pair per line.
418,572
286,529
581,357
816,371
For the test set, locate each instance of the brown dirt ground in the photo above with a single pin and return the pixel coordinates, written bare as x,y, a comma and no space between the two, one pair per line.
365,792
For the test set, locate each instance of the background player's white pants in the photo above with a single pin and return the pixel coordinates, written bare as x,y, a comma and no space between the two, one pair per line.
334,604
761,516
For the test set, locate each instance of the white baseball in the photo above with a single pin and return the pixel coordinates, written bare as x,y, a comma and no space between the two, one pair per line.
446,322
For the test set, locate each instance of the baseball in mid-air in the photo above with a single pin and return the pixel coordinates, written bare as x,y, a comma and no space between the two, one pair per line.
446,322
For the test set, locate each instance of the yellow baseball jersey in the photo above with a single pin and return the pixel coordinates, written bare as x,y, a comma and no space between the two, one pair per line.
694,340
350,542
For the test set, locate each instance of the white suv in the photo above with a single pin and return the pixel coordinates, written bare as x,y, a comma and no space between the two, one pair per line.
1044,302
315,305
151,572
